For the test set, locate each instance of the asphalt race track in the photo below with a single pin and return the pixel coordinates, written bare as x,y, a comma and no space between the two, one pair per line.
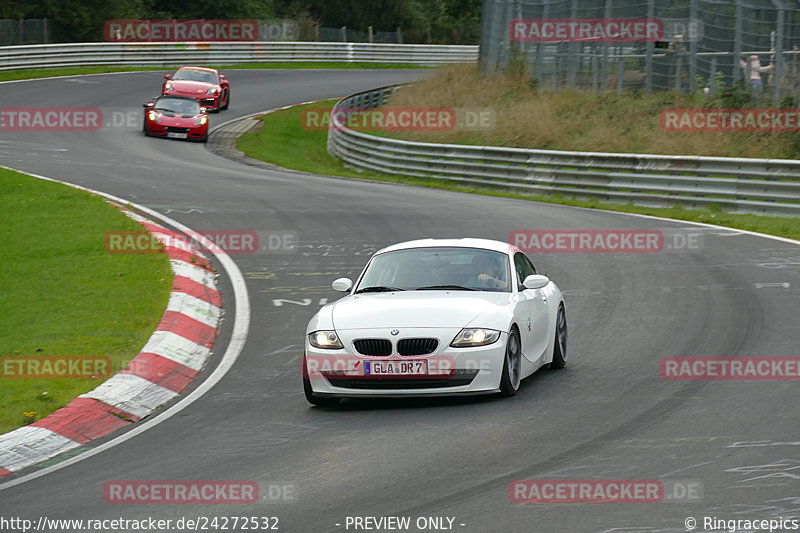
724,449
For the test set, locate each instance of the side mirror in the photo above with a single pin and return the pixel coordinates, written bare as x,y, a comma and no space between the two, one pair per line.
222,77
149,104
536,281
167,76
342,285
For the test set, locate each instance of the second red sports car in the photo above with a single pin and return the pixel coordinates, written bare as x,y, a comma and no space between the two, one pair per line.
206,85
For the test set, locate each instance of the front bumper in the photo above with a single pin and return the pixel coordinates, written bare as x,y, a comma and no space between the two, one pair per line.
161,130
452,371
209,101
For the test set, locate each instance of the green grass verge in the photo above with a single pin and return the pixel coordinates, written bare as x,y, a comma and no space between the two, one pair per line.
29,74
283,141
64,295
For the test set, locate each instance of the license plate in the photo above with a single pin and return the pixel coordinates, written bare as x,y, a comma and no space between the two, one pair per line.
177,135
396,368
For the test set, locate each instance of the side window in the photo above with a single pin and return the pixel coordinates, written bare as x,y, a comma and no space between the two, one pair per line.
523,267
533,268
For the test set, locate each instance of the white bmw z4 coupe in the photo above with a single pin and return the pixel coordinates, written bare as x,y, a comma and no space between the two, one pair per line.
436,317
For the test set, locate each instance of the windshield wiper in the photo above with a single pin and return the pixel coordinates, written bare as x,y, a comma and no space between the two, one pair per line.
378,289
445,287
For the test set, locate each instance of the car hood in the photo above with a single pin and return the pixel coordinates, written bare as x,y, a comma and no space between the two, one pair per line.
190,87
183,121
415,309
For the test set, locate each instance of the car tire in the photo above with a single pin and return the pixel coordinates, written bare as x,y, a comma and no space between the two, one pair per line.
227,102
560,341
512,365
319,401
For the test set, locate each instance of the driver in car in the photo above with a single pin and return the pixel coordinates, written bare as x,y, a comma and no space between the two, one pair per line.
491,272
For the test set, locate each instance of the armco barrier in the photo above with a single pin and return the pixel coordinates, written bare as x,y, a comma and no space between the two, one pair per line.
765,186
222,53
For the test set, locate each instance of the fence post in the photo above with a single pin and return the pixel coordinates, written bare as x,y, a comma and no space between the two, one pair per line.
606,48
777,72
649,46
712,77
572,59
371,36
399,36
692,47
620,74
737,44
344,34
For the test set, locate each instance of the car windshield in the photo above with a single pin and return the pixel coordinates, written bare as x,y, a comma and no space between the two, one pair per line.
182,106
195,75
437,269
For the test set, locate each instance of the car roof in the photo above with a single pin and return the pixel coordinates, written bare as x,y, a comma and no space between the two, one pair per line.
468,242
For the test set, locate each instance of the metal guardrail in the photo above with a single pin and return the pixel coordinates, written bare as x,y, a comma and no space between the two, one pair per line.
763,186
220,53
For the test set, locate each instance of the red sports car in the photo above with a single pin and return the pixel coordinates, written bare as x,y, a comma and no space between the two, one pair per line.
176,117
206,85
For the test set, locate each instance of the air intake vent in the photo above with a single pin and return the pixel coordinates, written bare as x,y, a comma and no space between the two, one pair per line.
373,347
417,346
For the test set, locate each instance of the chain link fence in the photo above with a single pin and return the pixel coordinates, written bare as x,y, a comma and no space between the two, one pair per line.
24,31
647,45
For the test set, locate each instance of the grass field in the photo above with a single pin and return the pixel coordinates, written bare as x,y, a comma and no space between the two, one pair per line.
64,295
282,140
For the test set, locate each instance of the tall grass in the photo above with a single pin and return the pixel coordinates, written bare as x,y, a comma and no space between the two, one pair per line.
530,117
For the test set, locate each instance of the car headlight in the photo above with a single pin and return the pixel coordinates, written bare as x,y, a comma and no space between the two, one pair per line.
168,87
154,116
475,337
212,90
200,121
326,340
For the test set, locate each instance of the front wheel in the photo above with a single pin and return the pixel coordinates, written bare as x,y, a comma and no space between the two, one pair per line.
227,102
560,347
509,381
